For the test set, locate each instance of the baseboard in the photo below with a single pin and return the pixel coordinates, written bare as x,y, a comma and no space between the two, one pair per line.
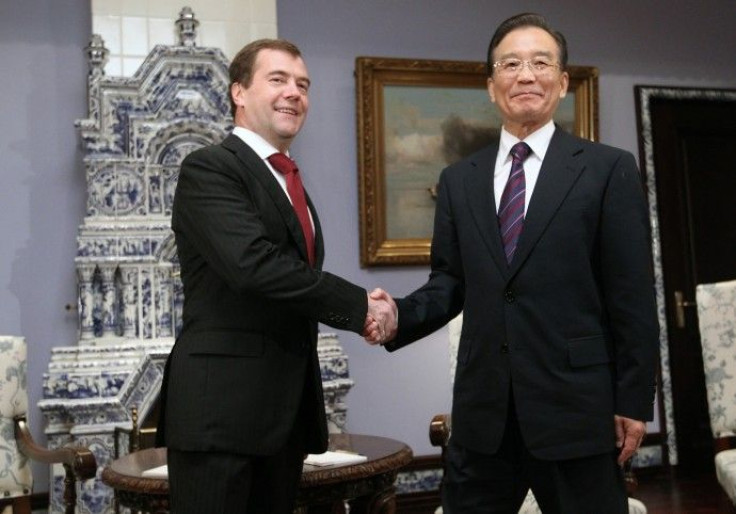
414,499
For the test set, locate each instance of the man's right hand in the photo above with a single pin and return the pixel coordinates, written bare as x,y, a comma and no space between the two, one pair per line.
381,322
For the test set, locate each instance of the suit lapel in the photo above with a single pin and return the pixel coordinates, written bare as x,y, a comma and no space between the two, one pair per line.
258,169
560,169
482,202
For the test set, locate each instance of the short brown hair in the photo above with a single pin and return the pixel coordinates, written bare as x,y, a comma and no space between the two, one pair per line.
522,20
241,68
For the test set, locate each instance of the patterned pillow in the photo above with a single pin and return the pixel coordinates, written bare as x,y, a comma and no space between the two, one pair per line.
717,321
726,472
15,471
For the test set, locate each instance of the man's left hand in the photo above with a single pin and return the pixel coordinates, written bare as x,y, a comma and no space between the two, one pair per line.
629,435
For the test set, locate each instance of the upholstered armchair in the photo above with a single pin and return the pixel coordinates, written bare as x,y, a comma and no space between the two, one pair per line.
440,430
717,322
17,445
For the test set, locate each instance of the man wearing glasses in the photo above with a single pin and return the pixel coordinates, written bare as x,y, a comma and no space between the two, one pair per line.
542,240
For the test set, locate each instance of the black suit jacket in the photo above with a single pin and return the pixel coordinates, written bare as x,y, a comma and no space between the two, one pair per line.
570,324
246,358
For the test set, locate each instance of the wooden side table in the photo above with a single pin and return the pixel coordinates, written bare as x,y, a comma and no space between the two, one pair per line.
367,486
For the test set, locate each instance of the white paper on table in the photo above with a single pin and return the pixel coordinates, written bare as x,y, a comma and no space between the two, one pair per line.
321,459
159,472
334,458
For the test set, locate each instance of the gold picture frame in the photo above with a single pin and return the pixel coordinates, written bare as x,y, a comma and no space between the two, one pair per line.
414,118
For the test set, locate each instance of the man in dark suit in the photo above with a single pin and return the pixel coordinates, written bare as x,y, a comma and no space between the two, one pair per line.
242,398
545,247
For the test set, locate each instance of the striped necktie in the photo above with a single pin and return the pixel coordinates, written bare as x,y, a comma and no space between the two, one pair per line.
294,187
511,209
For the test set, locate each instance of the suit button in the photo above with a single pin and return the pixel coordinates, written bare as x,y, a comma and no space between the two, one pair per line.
505,348
509,296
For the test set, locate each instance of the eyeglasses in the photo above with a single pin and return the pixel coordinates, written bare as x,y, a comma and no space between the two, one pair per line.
512,67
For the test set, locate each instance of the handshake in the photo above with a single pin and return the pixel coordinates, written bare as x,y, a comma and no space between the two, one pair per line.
382,319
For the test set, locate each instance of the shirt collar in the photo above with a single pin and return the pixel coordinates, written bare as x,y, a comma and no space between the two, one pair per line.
260,146
538,140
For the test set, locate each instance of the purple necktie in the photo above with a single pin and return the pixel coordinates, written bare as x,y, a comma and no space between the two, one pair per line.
511,209
294,187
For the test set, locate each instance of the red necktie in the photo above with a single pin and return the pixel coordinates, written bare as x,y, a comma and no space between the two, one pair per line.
511,208
294,187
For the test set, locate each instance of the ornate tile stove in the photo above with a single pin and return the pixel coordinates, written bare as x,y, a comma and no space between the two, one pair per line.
130,297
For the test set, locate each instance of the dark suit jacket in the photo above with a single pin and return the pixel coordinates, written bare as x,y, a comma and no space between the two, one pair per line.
246,357
570,324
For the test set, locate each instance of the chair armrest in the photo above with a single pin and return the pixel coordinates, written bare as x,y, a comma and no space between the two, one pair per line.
439,430
80,460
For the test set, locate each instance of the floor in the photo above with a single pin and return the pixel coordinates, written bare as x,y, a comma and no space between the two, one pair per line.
664,493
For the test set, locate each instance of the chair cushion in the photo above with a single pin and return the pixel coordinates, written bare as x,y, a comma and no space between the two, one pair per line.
636,507
15,470
726,472
530,505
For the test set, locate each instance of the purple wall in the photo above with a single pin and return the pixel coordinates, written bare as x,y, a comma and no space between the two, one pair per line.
43,75
42,193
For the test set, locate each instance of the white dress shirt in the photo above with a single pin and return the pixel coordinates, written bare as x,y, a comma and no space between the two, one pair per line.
538,141
264,149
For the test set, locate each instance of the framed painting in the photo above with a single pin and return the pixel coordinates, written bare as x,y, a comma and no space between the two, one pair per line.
414,118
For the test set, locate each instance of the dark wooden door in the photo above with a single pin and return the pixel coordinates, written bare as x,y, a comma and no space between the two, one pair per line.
694,163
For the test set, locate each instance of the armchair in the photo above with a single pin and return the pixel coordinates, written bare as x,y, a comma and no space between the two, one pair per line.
440,429
17,445
717,322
